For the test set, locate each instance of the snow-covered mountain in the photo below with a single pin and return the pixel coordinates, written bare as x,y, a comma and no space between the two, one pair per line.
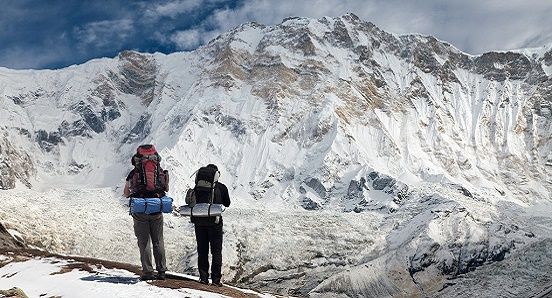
360,162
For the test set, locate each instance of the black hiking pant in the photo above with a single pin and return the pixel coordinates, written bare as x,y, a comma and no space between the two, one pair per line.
209,236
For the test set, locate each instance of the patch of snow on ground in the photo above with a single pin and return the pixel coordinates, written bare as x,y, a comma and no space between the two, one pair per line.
42,277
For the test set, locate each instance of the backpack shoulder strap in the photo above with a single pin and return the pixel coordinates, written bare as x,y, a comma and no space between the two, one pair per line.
211,201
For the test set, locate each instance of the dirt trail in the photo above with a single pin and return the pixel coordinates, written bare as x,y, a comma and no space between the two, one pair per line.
173,281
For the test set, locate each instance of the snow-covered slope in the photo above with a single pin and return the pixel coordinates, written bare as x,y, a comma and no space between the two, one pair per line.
307,102
424,154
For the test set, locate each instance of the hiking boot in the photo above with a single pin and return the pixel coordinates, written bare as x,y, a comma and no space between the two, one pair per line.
217,283
147,276
204,281
161,275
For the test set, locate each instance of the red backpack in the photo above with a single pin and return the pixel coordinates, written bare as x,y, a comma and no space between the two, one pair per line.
148,179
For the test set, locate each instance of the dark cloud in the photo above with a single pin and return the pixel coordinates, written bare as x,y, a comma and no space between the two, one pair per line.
55,33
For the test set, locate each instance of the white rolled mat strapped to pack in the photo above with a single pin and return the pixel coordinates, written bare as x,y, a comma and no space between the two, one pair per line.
202,210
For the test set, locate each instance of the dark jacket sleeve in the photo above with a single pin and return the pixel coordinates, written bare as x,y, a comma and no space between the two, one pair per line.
224,194
129,176
126,191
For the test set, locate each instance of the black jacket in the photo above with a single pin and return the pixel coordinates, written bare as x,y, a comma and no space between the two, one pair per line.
221,197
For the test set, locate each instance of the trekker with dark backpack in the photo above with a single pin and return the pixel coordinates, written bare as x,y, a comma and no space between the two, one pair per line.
208,230
148,181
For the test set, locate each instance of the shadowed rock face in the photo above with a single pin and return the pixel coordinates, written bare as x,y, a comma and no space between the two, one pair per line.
234,125
339,36
374,181
48,141
92,120
317,186
7,241
15,165
140,129
105,92
548,58
320,191
502,66
137,75
309,204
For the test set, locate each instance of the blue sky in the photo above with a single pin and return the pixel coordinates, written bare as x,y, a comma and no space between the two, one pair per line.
53,33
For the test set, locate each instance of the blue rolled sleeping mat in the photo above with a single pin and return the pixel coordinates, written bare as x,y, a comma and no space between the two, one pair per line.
151,205
202,210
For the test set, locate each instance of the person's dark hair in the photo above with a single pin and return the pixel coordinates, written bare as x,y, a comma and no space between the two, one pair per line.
212,166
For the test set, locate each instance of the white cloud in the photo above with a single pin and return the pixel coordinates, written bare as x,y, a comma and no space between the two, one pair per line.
173,8
33,58
187,39
471,25
104,33
191,39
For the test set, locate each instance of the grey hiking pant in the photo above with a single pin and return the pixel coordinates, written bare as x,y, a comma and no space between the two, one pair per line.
146,227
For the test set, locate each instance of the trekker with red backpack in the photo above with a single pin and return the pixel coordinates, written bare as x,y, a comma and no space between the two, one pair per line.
147,182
